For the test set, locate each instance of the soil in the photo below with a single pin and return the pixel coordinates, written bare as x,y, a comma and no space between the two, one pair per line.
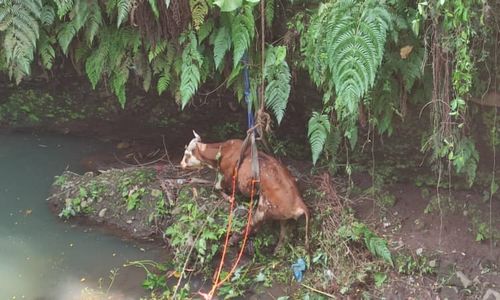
449,238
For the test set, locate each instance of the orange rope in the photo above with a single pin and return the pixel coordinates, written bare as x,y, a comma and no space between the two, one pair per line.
218,283
245,237
228,230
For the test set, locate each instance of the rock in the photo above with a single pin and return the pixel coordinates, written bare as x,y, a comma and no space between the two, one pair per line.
433,263
102,212
466,282
491,295
129,221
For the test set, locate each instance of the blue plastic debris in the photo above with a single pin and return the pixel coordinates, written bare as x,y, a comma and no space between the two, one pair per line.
298,268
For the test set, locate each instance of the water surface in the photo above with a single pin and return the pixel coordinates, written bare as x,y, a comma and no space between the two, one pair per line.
40,256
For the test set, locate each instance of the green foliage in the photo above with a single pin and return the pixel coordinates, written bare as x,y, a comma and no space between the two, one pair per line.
269,13
46,50
222,43
343,48
116,50
19,20
277,75
63,7
82,203
242,32
190,70
124,7
376,245
228,5
410,265
197,226
318,130
199,10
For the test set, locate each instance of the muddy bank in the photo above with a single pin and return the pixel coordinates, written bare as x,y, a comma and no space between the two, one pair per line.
133,202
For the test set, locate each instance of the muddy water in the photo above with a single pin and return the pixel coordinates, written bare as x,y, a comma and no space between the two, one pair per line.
40,256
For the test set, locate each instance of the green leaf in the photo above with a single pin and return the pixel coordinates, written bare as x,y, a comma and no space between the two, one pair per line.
228,5
277,75
379,278
154,8
318,130
222,43
124,7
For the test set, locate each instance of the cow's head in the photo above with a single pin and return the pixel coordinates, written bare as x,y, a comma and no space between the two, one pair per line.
190,159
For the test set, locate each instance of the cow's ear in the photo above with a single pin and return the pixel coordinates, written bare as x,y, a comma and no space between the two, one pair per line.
197,136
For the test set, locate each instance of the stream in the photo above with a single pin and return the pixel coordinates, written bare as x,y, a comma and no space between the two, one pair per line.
42,257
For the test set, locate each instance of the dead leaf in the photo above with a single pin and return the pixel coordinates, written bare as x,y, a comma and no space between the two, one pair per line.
405,51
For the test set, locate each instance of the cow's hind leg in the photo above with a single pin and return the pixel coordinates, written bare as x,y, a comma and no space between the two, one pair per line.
281,237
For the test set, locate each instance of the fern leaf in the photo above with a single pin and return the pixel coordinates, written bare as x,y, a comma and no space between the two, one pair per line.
93,23
63,7
199,10
242,32
163,82
19,19
94,67
46,51
269,13
277,75
378,247
118,81
66,35
156,50
343,49
47,16
318,130
154,8
190,71
124,7
222,43
205,30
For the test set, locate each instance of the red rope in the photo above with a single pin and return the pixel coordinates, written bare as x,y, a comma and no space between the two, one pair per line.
218,283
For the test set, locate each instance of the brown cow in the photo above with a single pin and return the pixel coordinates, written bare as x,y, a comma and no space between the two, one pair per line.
279,198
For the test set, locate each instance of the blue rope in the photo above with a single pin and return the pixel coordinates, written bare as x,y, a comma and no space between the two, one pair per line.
246,79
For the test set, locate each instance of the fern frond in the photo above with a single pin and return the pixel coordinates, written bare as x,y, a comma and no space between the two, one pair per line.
95,65
269,13
205,30
242,32
63,7
118,80
318,130
199,10
47,15
222,44
124,7
93,23
154,8
46,50
343,49
376,245
163,82
190,71
277,75
19,19
69,30
156,50
65,36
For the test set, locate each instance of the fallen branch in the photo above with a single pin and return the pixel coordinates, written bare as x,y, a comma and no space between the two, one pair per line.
318,291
